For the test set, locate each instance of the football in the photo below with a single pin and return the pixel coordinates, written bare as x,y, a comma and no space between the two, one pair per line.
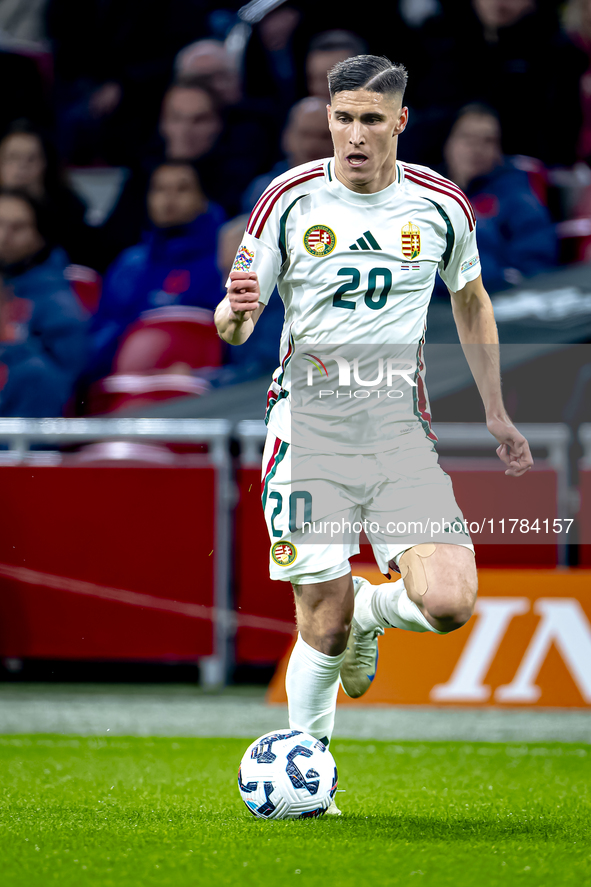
287,774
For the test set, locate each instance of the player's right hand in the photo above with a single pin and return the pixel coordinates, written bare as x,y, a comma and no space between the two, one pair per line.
243,293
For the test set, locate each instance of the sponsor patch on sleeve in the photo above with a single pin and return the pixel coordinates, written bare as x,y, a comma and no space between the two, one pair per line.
470,263
244,259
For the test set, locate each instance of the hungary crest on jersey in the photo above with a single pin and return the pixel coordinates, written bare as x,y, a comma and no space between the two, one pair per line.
411,241
320,240
284,553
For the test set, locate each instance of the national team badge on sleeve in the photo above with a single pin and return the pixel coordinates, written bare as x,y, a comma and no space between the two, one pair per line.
284,553
411,241
320,240
243,260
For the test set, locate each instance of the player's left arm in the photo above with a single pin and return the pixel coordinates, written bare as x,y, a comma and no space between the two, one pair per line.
477,330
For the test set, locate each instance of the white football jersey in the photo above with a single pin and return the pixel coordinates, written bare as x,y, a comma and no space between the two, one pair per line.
356,268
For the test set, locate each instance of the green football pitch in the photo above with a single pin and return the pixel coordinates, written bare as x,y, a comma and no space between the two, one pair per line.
135,811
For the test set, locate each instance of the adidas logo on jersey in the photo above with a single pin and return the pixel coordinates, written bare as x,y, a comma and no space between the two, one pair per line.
367,241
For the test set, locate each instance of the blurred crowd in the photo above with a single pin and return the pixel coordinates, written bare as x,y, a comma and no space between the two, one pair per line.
135,138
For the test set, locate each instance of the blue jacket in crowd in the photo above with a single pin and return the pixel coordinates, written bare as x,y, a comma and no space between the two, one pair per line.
44,338
514,229
174,266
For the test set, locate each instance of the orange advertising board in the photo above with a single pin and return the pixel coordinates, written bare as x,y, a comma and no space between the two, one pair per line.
528,644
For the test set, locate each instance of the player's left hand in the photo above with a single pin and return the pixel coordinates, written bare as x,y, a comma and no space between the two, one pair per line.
513,448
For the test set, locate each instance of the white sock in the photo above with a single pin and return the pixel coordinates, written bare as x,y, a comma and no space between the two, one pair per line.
312,683
389,606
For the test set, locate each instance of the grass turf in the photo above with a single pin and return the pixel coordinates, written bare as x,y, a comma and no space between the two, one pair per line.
135,811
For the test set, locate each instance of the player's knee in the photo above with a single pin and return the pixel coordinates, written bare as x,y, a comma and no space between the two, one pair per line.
449,617
331,642
334,635
452,609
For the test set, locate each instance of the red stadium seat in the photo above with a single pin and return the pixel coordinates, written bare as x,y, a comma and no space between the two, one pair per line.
166,336
87,285
169,339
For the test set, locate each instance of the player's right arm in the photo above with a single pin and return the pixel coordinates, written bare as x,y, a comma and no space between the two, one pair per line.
237,314
262,254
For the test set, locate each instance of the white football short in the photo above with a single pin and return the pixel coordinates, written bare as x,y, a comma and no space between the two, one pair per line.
316,505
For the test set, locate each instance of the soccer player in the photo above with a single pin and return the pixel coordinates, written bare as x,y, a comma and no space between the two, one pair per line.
353,244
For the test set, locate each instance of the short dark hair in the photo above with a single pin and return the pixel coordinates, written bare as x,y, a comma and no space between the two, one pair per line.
372,72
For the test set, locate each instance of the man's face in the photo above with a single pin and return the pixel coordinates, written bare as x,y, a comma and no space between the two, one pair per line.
175,196
502,13
189,123
19,237
365,127
307,137
473,147
318,64
22,162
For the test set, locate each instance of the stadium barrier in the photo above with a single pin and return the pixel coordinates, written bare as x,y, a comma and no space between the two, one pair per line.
154,542
77,566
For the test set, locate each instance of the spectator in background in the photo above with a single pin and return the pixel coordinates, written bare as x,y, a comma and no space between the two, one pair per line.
324,52
516,237
176,265
249,142
577,19
510,54
29,162
190,123
306,137
189,128
42,326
